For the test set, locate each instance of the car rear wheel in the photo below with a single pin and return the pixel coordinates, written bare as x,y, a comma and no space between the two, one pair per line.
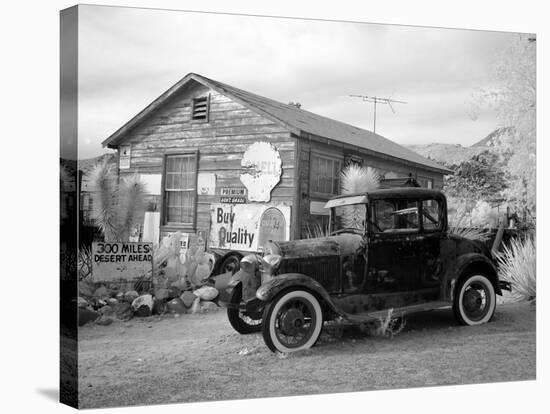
231,264
241,322
475,300
292,322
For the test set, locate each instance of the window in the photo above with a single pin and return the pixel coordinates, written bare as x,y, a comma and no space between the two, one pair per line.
395,216
431,215
180,189
199,111
325,175
426,182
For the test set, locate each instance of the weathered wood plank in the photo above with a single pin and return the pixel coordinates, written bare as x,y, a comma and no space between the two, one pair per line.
210,132
218,143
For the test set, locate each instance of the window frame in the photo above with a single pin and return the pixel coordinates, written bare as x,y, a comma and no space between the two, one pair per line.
326,157
440,221
395,232
164,205
193,104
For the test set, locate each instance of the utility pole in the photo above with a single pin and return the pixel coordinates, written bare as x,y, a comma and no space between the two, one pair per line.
375,100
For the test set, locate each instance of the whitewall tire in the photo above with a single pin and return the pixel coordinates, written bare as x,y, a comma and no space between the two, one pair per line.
292,322
475,300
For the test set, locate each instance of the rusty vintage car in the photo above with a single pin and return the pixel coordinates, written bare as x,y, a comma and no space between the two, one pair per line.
387,249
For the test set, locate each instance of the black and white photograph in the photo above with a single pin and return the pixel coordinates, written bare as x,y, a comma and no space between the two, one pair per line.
256,206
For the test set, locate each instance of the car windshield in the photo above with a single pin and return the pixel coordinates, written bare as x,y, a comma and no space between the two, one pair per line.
349,217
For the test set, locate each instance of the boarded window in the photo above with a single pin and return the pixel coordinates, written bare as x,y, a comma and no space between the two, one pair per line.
325,175
180,189
200,108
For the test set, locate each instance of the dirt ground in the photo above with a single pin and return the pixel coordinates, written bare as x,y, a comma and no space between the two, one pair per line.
200,358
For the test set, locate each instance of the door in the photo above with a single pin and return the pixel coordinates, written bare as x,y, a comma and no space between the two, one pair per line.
394,246
432,213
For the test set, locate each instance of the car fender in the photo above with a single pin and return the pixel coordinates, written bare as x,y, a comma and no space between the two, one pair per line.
268,290
460,265
240,280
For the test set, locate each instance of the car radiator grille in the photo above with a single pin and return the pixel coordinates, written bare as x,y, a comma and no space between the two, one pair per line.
324,269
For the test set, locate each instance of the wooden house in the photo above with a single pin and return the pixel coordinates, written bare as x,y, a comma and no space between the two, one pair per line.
231,168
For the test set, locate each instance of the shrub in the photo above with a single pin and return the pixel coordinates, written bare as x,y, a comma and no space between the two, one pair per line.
459,226
517,265
387,326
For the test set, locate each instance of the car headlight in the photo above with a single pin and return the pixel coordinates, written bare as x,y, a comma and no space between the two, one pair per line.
269,265
249,263
271,248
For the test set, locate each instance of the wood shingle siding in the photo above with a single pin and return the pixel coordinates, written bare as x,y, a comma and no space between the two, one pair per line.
220,144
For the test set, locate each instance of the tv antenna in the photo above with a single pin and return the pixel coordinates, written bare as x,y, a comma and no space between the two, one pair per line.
376,100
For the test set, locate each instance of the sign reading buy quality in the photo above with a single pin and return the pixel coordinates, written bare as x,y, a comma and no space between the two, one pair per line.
247,227
121,260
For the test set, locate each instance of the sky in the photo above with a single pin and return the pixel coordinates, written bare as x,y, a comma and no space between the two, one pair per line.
128,57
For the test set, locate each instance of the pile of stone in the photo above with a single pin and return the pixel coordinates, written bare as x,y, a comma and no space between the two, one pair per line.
104,304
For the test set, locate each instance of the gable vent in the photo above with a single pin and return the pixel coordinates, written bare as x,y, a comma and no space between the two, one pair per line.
200,108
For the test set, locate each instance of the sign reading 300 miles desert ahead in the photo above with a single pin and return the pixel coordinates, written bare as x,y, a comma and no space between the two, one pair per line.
121,260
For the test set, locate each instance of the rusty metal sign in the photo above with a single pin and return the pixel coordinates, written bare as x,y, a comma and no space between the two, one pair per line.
261,170
121,260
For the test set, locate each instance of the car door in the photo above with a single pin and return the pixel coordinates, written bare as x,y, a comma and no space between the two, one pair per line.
393,256
430,247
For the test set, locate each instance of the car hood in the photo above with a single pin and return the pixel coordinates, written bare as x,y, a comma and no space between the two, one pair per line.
342,244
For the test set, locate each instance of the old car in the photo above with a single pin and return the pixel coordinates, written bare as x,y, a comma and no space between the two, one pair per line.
386,249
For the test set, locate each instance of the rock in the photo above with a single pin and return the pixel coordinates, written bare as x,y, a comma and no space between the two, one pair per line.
101,292
206,293
112,291
181,284
159,307
143,311
162,294
86,315
143,300
196,307
174,292
176,306
86,289
209,307
82,303
104,321
221,281
130,296
188,298
124,311
120,296
107,310
112,302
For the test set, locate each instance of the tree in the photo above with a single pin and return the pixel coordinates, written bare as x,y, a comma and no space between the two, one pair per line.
479,178
514,99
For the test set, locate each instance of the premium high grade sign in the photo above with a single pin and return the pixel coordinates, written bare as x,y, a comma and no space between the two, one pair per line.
247,227
121,260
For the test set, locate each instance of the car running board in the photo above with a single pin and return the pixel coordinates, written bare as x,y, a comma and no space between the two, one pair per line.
395,312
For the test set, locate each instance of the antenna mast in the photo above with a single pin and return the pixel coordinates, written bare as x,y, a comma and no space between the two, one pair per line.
375,100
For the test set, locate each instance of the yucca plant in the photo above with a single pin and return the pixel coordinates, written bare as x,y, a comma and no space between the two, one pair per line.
459,226
116,207
517,265
357,179
316,230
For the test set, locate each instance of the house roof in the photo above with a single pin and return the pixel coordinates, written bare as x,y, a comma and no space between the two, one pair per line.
298,121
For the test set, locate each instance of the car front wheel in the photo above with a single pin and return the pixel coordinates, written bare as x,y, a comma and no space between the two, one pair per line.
292,321
242,323
475,300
